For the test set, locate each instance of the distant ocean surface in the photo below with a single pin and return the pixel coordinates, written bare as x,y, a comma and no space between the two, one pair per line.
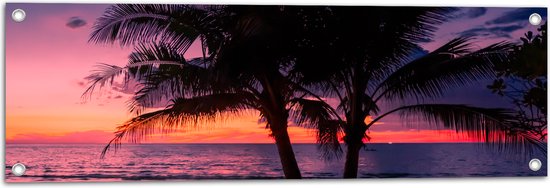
81,162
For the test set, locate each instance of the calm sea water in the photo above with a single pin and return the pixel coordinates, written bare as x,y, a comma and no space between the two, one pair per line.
59,162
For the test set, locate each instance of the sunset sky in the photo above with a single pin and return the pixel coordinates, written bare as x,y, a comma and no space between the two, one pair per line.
48,56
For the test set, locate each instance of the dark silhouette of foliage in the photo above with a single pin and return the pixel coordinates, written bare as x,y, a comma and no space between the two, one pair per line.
244,67
523,80
367,56
284,61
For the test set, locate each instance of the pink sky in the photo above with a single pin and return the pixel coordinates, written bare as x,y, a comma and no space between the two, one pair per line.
46,62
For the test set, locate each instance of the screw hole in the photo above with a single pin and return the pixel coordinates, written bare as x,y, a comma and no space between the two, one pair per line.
535,19
535,164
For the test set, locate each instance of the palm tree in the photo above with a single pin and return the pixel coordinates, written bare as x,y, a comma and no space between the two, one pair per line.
243,68
369,59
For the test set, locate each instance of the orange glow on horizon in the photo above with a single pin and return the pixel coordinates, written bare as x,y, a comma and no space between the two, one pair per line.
252,133
46,63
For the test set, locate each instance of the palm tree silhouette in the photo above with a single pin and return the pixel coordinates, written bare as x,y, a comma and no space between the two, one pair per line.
370,57
243,68
281,61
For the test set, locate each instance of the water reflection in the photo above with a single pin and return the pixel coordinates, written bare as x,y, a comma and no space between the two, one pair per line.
245,161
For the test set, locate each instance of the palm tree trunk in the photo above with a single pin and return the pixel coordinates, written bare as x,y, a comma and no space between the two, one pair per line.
286,154
352,160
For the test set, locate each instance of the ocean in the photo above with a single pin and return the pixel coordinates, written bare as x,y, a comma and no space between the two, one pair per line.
81,162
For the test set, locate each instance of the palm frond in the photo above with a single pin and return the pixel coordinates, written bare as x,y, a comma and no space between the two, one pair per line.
179,25
397,37
129,23
492,125
319,116
132,126
147,52
181,113
454,64
105,74
419,24
159,86
306,112
146,60
189,78
380,41
397,41
328,134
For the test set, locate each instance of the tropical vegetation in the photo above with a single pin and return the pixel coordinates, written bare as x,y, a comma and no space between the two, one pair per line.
286,62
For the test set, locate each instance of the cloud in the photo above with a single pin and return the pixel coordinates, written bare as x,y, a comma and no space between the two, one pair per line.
517,15
130,88
119,90
476,12
473,12
425,40
491,32
419,52
75,22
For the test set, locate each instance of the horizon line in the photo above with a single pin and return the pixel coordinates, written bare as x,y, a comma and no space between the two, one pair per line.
221,143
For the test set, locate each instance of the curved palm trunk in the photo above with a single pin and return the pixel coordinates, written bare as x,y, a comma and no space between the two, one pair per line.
356,130
277,119
286,153
352,160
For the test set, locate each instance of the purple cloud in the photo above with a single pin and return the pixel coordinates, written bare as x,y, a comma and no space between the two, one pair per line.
518,15
75,22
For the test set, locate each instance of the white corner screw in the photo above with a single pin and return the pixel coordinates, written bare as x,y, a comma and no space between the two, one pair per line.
18,169
18,15
535,19
535,164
